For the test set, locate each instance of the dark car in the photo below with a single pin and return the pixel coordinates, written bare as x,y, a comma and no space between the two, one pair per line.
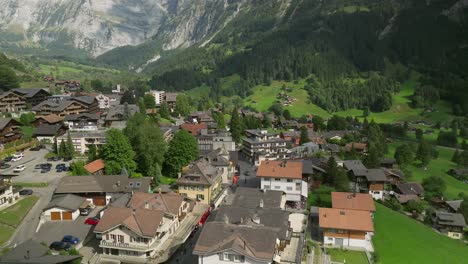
56,159
26,192
62,165
45,170
67,159
38,167
70,239
85,211
5,166
50,159
92,221
59,246
8,159
46,166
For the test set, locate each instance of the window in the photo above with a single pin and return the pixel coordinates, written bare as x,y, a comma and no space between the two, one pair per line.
289,180
200,197
289,188
277,179
266,187
277,187
138,184
298,186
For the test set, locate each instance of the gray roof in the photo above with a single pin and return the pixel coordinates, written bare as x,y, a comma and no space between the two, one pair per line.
5,121
29,92
410,188
353,165
449,219
331,147
37,255
115,113
454,205
309,167
82,116
68,201
375,175
217,159
85,99
102,183
47,129
57,104
337,133
251,197
200,172
276,218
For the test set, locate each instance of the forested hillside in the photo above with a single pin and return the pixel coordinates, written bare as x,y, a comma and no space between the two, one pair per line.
352,52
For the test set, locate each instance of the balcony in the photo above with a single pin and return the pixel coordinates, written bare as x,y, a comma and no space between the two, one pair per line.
129,246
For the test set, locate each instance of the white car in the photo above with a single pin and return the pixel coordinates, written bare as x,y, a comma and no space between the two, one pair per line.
17,157
19,168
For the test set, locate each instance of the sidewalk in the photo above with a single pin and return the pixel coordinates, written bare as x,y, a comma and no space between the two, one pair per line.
182,233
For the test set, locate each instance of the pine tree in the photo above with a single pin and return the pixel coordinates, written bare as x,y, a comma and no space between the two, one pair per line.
69,148
456,156
424,152
304,136
62,150
92,153
236,126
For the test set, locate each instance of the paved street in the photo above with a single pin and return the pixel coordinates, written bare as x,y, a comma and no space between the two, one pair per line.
247,175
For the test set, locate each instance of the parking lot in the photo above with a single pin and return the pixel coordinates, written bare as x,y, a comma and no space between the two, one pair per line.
30,174
52,231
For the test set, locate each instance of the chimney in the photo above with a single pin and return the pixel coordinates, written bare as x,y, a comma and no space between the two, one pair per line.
261,203
146,205
117,183
256,219
27,255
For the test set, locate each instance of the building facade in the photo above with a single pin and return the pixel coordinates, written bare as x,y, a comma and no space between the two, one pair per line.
82,140
12,102
261,145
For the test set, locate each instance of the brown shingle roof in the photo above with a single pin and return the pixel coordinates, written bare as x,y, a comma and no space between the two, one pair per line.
194,129
358,201
345,219
143,222
51,119
280,169
94,166
166,202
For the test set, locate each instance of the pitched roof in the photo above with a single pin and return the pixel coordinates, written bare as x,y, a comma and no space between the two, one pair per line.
251,197
144,222
200,172
68,201
94,166
166,202
51,119
5,121
352,165
47,130
102,183
29,92
449,219
280,169
345,219
193,129
255,242
82,116
355,145
116,112
454,205
85,99
410,188
56,105
33,252
353,201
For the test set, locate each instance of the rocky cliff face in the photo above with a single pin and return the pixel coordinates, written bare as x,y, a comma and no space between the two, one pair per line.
97,26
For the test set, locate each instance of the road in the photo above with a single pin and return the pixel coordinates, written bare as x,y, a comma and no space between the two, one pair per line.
247,177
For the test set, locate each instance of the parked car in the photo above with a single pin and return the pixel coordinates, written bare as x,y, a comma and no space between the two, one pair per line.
8,159
50,159
59,246
46,165
26,192
38,167
5,166
71,239
92,221
19,168
56,159
67,159
85,211
37,148
60,165
17,157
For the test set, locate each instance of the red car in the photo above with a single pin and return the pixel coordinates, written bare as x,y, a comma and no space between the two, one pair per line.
92,221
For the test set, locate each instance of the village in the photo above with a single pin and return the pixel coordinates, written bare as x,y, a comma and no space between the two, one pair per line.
283,190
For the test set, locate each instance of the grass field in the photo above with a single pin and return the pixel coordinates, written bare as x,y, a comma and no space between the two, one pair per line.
31,184
347,256
400,239
5,233
167,180
13,215
437,167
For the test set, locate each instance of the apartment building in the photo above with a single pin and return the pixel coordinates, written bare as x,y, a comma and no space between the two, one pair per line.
259,145
82,140
12,102
212,139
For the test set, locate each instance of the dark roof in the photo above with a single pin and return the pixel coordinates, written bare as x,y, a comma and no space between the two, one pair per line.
200,172
257,242
47,130
449,219
454,205
353,165
116,112
251,197
217,157
331,147
85,99
68,201
5,121
29,92
410,188
82,116
276,218
390,161
102,183
376,175
56,104
37,255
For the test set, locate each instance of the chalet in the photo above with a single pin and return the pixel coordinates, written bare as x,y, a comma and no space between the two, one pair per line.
47,119
353,201
356,146
459,173
200,117
117,115
105,101
453,206
388,163
168,131
7,195
95,167
292,137
405,192
252,198
333,149
346,228
372,181
10,130
82,122
33,96
46,132
171,100
450,224
201,181
284,176
394,176
90,102
194,129
11,102
60,107
305,150
219,158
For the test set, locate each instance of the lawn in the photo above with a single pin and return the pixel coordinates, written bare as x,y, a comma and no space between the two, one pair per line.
437,167
13,215
347,256
5,233
167,180
320,197
400,239
31,184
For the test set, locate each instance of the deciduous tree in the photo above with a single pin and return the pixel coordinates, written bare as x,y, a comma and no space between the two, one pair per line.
117,153
182,150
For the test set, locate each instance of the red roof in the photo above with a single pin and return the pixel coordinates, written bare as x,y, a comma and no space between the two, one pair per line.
345,219
94,166
280,169
194,129
353,201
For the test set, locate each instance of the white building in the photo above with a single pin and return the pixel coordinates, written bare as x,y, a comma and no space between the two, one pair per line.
82,140
64,207
7,197
259,145
284,176
159,96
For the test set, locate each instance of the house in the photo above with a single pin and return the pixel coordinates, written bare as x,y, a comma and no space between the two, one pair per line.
33,96
135,232
219,158
253,197
221,242
82,122
194,129
64,207
212,139
292,137
171,100
346,228
450,224
200,117
372,181
159,96
101,190
453,206
353,201
95,167
117,115
356,146
284,176
312,171
394,176
46,132
82,140
106,101
305,150
60,107
333,149
201,181
168,131
337,134
7,196
259,145
459,173
388,163
10,130
11,102
90,102
405,192
48,119
33,252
